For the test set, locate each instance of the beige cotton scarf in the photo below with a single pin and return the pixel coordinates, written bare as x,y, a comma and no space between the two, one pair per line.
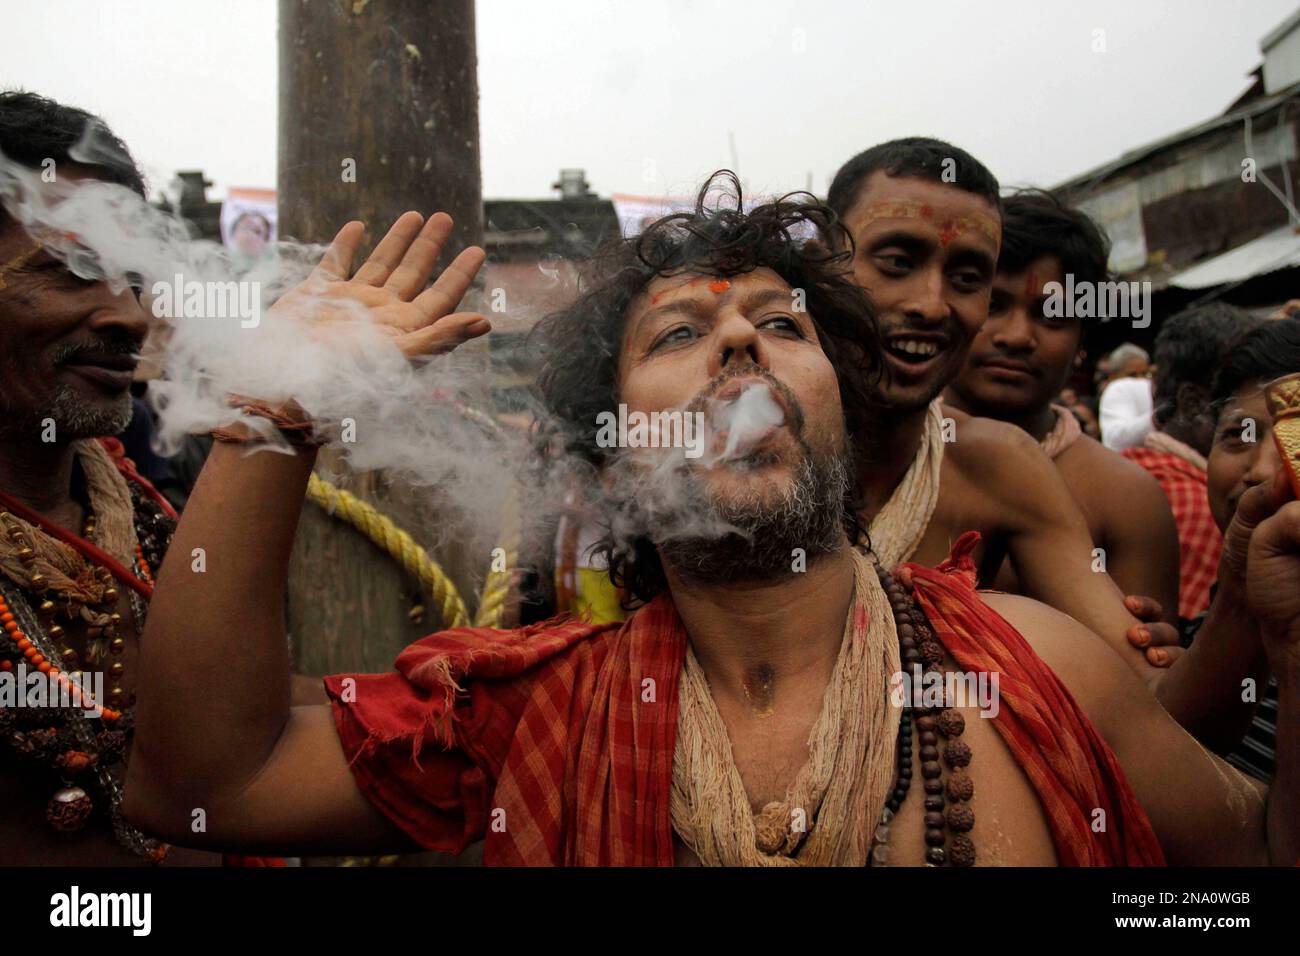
897,529
63,567
831,808
1064,433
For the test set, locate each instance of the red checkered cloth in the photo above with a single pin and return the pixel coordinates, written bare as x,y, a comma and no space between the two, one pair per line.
554,743
1199,540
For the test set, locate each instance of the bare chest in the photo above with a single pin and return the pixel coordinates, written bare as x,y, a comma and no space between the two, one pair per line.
1009,830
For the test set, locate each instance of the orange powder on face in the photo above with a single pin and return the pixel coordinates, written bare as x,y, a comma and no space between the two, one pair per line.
1032,286
715,285
912,209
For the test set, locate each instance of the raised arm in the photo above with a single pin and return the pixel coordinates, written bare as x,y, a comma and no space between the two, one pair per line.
214,728
1205,689
1048,540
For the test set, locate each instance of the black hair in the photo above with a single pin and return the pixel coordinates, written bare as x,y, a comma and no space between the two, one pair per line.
1267,351
919,157
34,128
1036,223
580,345
1190,346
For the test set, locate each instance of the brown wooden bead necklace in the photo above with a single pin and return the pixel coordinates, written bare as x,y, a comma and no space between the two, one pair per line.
919,646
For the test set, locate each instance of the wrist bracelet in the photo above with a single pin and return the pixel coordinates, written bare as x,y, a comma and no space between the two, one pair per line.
289,419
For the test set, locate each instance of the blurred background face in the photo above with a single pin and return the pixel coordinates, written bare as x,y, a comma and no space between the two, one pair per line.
926,252
250,235
1134,367
1020,358
67,345
1235,465
690,340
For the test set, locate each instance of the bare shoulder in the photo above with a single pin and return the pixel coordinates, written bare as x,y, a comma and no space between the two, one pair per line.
1092,468
1018,484
988,447
1129,514
1101,682
1202,811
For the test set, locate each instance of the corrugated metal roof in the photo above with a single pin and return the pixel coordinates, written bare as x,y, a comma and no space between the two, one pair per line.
1279,249
1103,172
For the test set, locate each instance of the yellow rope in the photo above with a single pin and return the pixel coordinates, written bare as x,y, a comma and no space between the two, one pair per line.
384,532
496,587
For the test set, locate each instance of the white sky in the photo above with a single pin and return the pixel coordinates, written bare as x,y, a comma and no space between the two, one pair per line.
643,93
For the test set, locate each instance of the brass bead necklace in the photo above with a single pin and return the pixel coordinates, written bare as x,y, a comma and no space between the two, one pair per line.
79,743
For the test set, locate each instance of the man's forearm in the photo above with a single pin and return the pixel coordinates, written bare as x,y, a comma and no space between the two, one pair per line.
1205,689
214,683
1064,578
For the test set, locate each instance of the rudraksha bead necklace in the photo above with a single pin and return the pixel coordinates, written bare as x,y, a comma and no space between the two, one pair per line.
919,646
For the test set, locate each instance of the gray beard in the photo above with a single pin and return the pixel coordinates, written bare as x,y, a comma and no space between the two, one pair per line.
73,418
764,536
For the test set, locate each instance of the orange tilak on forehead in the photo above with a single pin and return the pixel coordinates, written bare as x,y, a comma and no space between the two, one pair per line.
948,231
717,286
963,224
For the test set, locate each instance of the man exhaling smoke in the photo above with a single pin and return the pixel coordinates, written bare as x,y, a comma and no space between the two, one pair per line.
732,720
710,532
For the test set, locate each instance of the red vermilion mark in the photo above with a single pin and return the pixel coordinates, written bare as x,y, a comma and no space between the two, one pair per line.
719,285
947,234
1032,287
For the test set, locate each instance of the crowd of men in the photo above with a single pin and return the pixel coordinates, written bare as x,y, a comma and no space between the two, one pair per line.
1131,578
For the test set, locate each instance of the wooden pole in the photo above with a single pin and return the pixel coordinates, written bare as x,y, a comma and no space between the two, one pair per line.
378,114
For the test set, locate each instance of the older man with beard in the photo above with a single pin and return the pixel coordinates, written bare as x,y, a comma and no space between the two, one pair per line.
925,222
743,716
80,531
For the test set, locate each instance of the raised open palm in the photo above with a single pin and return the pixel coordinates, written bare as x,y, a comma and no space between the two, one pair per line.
388,285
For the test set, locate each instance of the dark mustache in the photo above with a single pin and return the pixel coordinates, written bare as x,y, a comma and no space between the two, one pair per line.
985,357
116,345
752,371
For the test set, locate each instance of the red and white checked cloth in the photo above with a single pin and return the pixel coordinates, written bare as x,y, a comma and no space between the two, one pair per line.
1199,540
554,743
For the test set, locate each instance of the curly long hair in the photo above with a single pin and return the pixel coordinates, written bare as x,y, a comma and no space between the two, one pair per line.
796,236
